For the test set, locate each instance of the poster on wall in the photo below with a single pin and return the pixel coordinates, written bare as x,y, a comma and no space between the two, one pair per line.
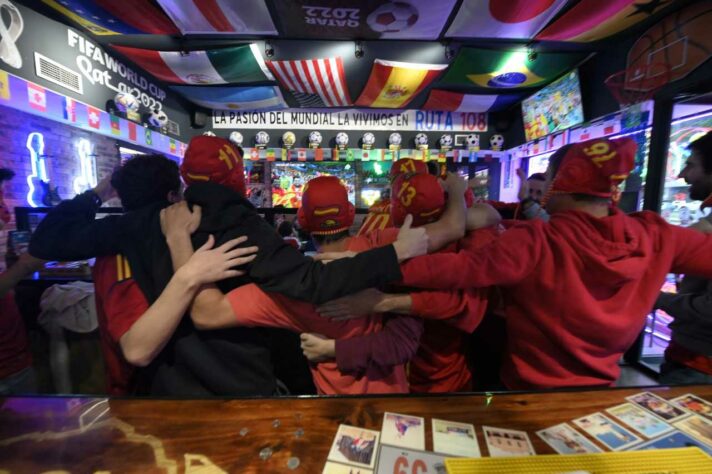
353,119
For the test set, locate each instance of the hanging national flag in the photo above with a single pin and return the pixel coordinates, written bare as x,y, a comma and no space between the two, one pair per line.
518,19
254,154
213,66
319,154
93,117
507,69
111,17
459,102
284,154
442,158
335,154
592,20
115,125
4,85
394,84
456,156
350,156
132,131
234,98
245,17
149,136
363,19
270,155
302,154
313,82
69,109
37,97
172,146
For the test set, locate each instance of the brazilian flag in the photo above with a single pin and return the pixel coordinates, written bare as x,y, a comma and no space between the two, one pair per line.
507,69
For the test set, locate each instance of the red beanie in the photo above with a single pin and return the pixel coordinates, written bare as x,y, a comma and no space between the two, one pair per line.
595,167
325,207
420,195
407,166
213,159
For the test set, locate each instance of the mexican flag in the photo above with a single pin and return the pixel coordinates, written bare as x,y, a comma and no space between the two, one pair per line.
507,69
394,84
459,102
214,66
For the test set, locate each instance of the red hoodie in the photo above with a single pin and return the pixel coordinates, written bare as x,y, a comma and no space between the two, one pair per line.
578,289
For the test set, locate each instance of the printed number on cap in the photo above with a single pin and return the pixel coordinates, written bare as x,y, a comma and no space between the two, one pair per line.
598,151
223,155
407,167
406,194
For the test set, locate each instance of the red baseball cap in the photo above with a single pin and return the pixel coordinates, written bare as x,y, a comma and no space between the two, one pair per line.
325,207
407,166
420,195
595,167
213,159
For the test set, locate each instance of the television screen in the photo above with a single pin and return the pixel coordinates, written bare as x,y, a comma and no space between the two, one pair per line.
288,180
555,107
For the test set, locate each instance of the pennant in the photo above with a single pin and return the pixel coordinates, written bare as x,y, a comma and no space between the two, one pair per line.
172,146
302,154
335,154
507,69
270,155
442,158
93,117
592,20
37,97
313,82
115,125
246,17
517,19
319,154
394,84
69,109
350,156
459,102
456,156
363,19
284,154
111,17
214,66
254,154
132,131
4,85
149,136
234,98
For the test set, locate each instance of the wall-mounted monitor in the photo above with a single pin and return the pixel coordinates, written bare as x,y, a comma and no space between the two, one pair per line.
555,107
288,180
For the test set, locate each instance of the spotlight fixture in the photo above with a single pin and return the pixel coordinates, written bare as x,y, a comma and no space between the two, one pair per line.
358,51
531,54
269,50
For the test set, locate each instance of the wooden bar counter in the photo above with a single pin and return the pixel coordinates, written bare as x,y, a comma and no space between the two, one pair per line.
91,435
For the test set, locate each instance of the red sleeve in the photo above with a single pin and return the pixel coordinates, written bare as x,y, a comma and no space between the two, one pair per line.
254,307
505,261
692,252
395,344
124,304
438,304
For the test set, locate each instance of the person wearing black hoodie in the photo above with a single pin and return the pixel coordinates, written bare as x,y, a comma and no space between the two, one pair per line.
197,363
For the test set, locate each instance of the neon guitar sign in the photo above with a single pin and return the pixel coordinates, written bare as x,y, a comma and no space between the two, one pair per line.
87,164
35,144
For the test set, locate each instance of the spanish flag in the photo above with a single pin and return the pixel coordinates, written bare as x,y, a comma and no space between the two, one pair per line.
593,20
394,84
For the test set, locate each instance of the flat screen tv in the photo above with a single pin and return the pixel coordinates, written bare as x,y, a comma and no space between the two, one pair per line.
288,180
555,107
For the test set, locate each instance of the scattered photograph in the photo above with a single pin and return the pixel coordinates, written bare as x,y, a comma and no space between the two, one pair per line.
640,420
607,432
566,440
353,445
502,442
456,439
658,406
403,430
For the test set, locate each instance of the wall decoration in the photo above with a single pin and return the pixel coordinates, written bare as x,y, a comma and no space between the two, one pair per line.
394,84
87,178
246,17
9,53
254,98
313,82
460,102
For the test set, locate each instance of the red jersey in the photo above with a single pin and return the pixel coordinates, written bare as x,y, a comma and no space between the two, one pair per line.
119,304
14,349
578,289
378,218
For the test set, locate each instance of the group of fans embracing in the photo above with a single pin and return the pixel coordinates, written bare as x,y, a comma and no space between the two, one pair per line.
197,295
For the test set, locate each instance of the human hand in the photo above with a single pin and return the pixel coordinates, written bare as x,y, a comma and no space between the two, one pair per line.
454,184
317,348
411,242
208,264
104,189
178,220
29,264
523,185
352,306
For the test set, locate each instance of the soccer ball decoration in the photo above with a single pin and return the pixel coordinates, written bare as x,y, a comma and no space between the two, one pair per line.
261,139
289,139
394,140
236,138
496,142
393,17
314,139
126,102
421,141
368,140
158,118
473,142
342,140
446,141
209,134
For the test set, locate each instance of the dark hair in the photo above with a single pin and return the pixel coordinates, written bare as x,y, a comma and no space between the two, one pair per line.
433,168
6,174
556,158
703,146
578,197
285,228
537,177
323,239
144,180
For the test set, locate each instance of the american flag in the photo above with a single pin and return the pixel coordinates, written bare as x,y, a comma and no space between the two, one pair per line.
313,82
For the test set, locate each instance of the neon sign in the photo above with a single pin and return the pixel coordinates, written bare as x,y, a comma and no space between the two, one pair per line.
35,144
87,165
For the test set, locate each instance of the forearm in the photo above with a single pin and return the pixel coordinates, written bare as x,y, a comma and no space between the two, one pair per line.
10,278
450,226
181,248
150,333
482,215
687,306
394,303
